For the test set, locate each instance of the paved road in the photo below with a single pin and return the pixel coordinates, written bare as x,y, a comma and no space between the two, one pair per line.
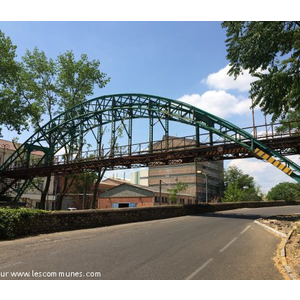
223,245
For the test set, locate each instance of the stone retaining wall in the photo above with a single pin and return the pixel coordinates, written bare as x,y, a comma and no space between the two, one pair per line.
73,220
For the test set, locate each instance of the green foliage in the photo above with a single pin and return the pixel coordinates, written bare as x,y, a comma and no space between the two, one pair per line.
289,123
10,218
37,86
83,182
233,193
57,85
180,187
76,79
240,186
7,64
36,89
14,113
270,51
287,191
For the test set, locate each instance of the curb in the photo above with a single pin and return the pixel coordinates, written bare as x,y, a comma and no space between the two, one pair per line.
281,234
286,237
283,257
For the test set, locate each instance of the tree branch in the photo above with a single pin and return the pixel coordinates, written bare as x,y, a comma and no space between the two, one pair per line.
297,23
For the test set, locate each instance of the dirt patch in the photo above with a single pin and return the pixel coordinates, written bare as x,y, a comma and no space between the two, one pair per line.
287,224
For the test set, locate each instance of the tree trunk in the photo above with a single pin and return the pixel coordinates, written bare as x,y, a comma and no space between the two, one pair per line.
96,188
62,193
45,192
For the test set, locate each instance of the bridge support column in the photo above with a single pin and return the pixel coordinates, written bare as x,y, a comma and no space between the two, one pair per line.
167,133
130,137
197,135
151,125
211,140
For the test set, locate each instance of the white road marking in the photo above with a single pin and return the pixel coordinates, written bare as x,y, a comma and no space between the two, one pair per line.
245,229
199,269
224,248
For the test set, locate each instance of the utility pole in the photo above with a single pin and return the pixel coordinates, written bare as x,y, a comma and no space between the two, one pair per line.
160,191
200,172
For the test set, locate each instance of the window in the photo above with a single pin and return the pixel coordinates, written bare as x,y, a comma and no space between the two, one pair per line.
122,205
40,185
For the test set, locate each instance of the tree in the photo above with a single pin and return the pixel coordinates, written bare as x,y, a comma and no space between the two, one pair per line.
180,187
240,186
34,90
15,112
55,86
290,122
287,191
270,51
83,184
233,193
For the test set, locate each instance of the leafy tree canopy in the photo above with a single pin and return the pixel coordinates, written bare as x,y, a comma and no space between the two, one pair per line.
14,112
235,175
270,51
287,191
38,86
35,89
240,186
180,187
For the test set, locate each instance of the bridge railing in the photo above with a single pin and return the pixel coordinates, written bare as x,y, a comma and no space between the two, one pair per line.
260,132
274,130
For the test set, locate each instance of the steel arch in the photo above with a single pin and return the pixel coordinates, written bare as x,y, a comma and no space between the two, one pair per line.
71,125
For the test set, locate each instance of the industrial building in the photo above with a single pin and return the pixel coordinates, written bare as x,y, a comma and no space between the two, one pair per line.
131,195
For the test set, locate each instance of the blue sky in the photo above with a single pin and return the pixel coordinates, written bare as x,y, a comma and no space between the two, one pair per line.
170,59
177,60
163,58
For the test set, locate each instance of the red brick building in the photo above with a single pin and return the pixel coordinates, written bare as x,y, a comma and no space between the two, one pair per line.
129,195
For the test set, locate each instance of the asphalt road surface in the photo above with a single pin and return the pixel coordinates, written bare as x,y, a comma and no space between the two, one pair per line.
223,245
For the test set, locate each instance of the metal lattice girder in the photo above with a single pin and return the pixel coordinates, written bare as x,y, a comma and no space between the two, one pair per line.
69,127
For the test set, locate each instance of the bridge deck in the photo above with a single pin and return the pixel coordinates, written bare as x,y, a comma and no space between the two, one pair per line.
175,154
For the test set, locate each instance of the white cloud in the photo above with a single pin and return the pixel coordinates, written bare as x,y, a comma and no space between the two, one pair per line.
250,166
264,174
219,103
222,81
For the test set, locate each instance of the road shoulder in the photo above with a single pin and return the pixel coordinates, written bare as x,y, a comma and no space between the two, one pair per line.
287,227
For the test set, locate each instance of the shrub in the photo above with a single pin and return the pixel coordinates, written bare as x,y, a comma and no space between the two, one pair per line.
287,191
10,218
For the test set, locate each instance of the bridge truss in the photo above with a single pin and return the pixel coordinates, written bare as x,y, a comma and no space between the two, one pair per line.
64,141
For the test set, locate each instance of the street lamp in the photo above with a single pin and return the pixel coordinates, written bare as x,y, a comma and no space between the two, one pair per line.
201,172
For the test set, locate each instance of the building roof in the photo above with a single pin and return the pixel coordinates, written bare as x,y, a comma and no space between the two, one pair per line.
7,145
135,190
10,146
127,191
114,181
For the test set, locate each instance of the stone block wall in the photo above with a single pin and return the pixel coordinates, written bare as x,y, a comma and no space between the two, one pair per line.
74,220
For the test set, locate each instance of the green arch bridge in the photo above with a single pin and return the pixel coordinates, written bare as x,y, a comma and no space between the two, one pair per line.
63,142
